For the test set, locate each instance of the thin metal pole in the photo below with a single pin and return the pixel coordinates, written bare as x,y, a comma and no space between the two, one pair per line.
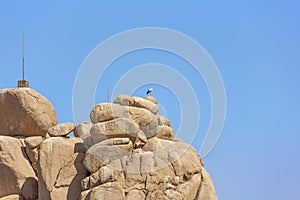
23,58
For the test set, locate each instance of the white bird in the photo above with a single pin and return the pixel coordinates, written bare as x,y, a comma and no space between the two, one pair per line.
149,90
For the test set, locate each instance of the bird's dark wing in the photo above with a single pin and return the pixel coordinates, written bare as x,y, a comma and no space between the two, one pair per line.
148,92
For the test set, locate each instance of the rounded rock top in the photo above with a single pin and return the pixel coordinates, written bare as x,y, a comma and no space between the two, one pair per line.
25,112
151,98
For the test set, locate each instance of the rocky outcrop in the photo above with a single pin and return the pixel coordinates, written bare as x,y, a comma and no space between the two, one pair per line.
24,112
127,152
156,167
17,175
60,168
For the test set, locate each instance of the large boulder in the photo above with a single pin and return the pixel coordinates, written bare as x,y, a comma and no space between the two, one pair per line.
146,120
17,175
107,152
25,112
107,111
60,168
61,129
117,128
139,102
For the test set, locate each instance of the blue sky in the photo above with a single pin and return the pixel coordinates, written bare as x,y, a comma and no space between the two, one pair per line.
255,45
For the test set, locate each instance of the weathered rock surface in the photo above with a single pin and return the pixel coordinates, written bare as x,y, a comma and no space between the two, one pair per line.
151,98
33,142
25,112
61,129
165,132
12,197
107,191
82,129
146,120
102,154
162,169
139,102
207,189
60,168
107,111
17,175
117,128
162,120
129,153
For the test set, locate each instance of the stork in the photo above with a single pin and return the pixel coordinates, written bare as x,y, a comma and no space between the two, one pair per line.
149,90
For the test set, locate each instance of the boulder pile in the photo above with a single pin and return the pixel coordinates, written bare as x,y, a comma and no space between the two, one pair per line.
127,151
133,155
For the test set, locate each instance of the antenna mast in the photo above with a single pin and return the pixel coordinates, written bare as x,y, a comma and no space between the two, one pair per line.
23,83
23,57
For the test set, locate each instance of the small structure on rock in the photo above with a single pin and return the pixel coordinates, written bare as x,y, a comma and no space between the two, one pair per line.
23,83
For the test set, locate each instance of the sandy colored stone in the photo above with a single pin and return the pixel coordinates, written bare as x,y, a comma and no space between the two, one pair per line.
17,175
189,189
85,183
25,112
135,194
87,140
163,171
104,175
107,111
146,120
185,161
131,166
147,163
82,129
12,197
117,128
181,156
101,154
165,132
33,142
61,129
207,189
164,195
160,148
151,98
85,195
162,120
60,168
107,191
33,157
139,102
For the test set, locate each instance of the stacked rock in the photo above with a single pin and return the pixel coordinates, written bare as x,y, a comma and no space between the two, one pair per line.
132,154
127,151
37,158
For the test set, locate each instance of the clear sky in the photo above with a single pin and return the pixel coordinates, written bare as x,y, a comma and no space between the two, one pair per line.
255,45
